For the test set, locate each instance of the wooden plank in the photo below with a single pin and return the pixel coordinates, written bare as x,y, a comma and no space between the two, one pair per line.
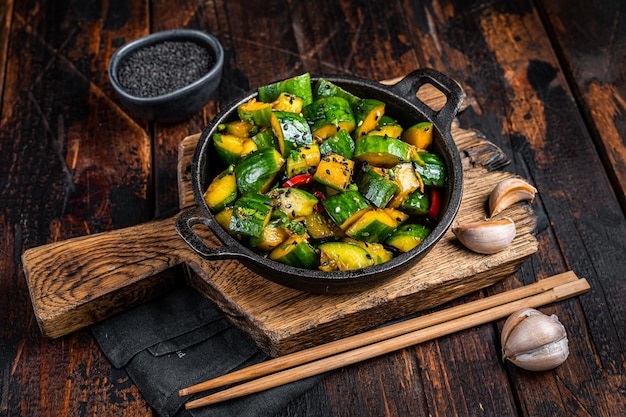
6,15
591,41
71,163
523,102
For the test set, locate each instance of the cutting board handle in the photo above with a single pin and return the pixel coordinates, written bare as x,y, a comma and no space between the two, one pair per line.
102,266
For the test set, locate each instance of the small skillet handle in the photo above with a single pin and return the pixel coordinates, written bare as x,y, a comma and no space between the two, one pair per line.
410,85
184,226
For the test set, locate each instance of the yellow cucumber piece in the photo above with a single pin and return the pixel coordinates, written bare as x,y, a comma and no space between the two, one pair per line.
419,135
272,236
231,149
335,171
288,102
374,226
303,160
377,250
367,114
294,202
239,128
343,256
393,131
408,237
222,191
398,215
223,219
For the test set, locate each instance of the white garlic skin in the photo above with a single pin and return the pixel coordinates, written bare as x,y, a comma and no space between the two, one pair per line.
508,192
486,237
534,341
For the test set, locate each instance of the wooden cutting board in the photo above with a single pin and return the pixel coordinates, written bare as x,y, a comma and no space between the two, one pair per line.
78,282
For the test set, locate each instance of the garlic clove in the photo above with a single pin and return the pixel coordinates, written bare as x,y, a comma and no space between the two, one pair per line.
486,237
509,192
534,341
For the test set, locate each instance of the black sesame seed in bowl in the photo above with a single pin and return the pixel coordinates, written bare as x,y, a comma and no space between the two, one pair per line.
167,76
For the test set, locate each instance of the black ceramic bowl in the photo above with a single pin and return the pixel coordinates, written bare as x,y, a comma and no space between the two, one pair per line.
179,104
402,104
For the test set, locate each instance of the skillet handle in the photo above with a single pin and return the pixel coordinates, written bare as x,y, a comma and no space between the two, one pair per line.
410,85
184,226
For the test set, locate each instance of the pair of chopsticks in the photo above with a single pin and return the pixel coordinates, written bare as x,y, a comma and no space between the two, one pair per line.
334,355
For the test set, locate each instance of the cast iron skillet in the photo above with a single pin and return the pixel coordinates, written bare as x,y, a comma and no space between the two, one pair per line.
402,104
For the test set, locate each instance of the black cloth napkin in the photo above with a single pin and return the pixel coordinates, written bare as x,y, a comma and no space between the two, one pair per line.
182,339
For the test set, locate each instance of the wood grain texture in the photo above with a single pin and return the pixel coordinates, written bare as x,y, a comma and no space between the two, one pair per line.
593,54
544,83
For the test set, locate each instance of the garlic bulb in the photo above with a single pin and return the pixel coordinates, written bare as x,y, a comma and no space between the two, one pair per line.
509,192
534,341
486,237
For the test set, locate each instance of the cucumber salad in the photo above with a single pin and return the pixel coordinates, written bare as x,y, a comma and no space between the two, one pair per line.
318,178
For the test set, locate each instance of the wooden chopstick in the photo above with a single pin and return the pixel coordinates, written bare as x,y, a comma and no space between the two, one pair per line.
380,334
420,329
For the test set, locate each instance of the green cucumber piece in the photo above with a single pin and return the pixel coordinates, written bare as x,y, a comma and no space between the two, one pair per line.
250,214
329,115
343,256
373,227
408,236
296,251
264,139
294,202
299,85
340,143
416,204
345,208
325,88
320,226
334,171
432,171
382,151
222,191
291,131
367,113
375,186
256,172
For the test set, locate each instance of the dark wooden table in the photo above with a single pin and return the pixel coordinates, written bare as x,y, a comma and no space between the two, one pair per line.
545,81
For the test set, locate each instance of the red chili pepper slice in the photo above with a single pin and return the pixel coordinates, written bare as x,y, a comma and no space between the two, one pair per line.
319,207
299,181
435,204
